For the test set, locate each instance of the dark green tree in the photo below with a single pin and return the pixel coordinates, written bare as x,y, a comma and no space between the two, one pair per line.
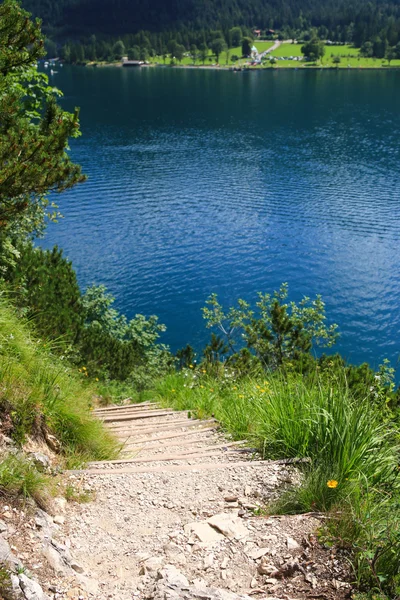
246,46
313,50
203,52
185,357
34,131
236,36
217,47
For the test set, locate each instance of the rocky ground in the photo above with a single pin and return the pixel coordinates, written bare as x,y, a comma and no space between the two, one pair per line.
180,515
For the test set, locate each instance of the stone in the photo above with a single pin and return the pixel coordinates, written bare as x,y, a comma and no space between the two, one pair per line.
77,567
41,461
6,556
61,504
31,589
59,520
17,592
204,532
55,560
231,527
174,554
173,577
208,561
154,563
231,498
257,553
3,526
292,544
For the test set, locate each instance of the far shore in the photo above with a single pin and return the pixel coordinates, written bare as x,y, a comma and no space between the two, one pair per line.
235,69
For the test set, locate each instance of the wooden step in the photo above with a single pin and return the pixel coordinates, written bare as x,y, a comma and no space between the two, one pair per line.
139,405
165,457
172,468
178,417
135,415
141,426
138,432
189,442
195,453
171,436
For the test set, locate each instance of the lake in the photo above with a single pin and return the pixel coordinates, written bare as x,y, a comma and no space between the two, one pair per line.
203,181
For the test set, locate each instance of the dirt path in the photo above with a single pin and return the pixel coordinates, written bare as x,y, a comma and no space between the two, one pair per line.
179,516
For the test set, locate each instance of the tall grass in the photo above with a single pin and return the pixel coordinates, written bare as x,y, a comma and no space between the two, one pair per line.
350,442
39,392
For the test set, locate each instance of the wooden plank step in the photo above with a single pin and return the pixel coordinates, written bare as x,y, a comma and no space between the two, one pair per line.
134,416
116,416
118,428
195,453
173,435
138,432
166,458
140,405
172,468
184,443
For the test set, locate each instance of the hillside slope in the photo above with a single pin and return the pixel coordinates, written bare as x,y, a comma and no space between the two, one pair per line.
74,17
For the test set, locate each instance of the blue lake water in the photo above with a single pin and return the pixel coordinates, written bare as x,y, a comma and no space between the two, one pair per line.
204,181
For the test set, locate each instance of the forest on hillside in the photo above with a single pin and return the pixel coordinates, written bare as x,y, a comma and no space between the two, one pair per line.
80,18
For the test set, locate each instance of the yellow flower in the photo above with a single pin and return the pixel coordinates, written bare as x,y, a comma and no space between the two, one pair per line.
173,391
97,378
190,366
80,370
202,386
332,483
211,389
241,396
258,387
266,382
262,391
204,371
234,387
84,368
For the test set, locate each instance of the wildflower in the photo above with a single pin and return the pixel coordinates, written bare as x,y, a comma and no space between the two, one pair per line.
234,387
258,387
211,389
202,386
241,396
190,366
84,368
97,378
332,483
173,391
80,370
262,391
203,371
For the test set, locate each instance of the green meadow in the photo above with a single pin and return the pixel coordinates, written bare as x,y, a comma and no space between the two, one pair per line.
349,58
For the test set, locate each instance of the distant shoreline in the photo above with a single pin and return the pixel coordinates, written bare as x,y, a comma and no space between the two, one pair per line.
247,68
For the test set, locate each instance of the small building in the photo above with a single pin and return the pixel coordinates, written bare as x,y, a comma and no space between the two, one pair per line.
257,33
254,53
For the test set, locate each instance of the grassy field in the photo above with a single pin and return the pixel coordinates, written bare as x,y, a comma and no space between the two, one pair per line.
350,58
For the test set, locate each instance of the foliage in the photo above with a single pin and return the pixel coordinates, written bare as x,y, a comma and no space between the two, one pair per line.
41,394
45,286
350,444
314,50
34,131
119,348
18,476
276,331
